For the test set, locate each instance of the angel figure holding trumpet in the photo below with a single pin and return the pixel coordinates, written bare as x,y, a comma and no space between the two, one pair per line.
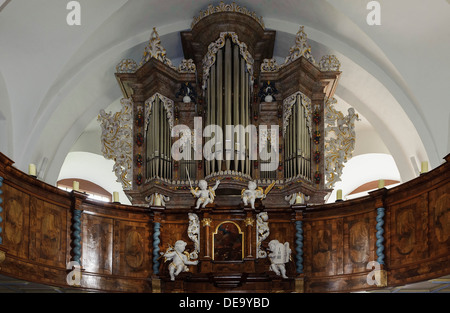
254,192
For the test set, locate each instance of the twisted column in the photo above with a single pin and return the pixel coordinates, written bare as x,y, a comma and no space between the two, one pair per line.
156,241
379,235
299,246
76,236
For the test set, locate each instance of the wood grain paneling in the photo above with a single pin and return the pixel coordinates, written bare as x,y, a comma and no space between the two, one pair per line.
339,239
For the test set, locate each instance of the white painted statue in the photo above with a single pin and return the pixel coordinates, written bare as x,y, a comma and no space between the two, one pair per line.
157,199
279,255
194,234
204,193
297,198
180,259
254,192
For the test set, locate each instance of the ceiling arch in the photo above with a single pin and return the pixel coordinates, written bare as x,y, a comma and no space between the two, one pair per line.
84,83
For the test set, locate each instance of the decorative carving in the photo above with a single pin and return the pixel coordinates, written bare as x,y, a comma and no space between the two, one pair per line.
187,66
206,222
262,232
289,102
127,66
117,141
300,49
188,93
194,234
253,192
267,92
279,255
205,195
339,141
157,199
214,47
168,106
296,198
329,63
155,50
222,7
269,66
180,259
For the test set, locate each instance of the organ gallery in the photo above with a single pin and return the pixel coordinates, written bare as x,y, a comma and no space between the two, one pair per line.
228,159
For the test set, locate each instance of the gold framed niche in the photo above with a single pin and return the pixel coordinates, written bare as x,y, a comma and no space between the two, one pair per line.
228,242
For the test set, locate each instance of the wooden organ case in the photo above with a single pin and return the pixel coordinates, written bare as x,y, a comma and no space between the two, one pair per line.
228,77
388,238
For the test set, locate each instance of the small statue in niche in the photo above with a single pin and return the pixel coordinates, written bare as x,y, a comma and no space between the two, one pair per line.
279,255
157,199
188,92
297,198
180,259
205,194
254,192
267,92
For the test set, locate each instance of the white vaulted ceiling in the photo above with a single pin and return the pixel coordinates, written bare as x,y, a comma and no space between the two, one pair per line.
55,78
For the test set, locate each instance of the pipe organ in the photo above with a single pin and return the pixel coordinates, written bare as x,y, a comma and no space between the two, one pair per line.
297,142
158,141
228,91
236,125
248,131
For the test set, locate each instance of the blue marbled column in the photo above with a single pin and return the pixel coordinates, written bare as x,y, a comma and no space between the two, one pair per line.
76,236
380,237
299,246
156,242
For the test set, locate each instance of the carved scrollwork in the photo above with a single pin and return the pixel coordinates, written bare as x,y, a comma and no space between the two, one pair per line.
262,232
289,102
168,106
117,141
214,47
329,63
222,7
340,139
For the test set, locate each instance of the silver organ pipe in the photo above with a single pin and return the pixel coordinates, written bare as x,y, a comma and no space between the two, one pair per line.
228,98
236,137
297,144
219,116
228,89
158,143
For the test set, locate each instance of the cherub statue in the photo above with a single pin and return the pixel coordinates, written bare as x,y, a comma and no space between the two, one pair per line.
180,259
253,192
279,255
205,195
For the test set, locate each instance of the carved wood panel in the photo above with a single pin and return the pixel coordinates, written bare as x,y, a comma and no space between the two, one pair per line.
97,238
16,207
439,221
47,232
131,248
409,231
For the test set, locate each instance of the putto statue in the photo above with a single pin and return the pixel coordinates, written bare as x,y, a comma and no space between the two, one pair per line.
205,194
253,192
180,259
279,255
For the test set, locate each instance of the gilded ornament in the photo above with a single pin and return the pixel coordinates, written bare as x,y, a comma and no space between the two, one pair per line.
222,7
